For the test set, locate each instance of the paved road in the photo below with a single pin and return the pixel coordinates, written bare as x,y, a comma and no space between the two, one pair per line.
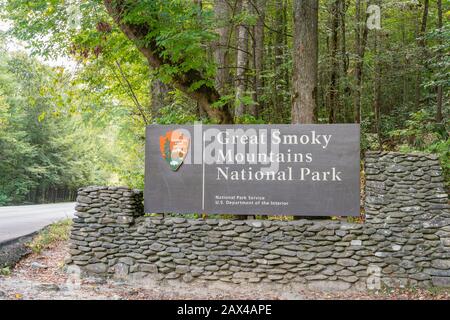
22,220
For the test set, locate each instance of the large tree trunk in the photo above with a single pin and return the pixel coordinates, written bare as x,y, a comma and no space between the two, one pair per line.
258,56
159,94
405,64
204,95
241,63
305,64
360,44
333,91
439,93
222,16
200,111
377,87
423,25
422,45
305,60
344,53
287,74
347,91
278,61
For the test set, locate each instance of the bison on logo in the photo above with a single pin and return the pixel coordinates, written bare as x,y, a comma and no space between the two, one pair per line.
174,148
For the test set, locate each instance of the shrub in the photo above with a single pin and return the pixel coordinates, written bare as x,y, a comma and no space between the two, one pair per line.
51,235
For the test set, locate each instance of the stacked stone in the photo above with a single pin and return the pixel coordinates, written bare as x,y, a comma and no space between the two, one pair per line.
408,212
246,251
102,215
403,242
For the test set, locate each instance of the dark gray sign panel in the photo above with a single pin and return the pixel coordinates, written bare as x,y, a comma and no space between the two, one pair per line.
308,170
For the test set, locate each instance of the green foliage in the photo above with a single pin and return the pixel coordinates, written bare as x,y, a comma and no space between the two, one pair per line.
439,60
369,140
176,114
44,146
181,30
249,119
4,199
223,100
442,148
67,129
422,133
6,271
246,100
51,235
50,26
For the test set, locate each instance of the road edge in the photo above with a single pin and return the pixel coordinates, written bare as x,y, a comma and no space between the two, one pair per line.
13,250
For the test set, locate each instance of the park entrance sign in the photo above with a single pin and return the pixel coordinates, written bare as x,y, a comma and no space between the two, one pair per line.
307,170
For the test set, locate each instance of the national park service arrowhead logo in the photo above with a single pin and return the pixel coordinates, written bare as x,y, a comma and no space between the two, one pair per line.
174,148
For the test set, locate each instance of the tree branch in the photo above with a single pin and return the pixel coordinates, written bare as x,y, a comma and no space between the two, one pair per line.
132,94
137,33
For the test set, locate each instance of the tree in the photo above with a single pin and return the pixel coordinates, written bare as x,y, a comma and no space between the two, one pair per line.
439,93
160,96
377,85
241,59
304,80
220,47
176,62
278,60
360,46
333,91
46,152
421,40
259,7
140,22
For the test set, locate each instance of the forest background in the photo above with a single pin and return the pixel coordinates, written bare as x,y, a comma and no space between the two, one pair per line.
80,80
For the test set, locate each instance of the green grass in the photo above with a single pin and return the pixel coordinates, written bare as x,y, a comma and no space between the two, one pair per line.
5,271
52,234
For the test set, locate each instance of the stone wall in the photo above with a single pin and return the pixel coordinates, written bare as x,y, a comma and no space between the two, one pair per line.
404,241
